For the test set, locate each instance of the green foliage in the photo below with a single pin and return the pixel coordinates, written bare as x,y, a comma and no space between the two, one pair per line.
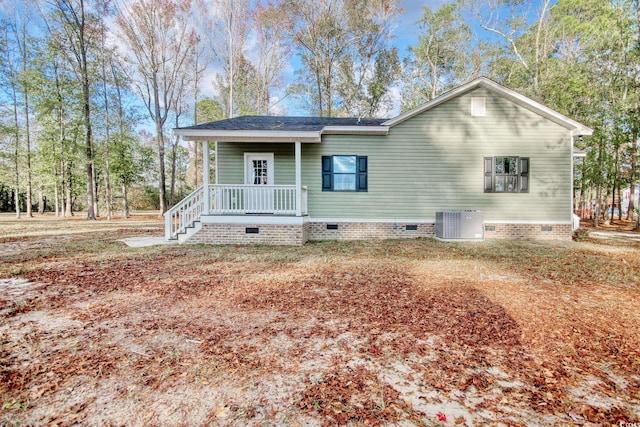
441,59
209,110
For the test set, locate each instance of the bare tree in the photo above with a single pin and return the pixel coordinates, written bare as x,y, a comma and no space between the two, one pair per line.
21,35
491,17
77,30
339,42
227,30
272,25
159,41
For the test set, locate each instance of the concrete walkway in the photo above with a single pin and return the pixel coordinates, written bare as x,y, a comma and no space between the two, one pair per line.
143,242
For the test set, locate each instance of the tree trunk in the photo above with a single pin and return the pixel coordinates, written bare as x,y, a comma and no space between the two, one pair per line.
86,107
16,149
41,206
596,217
107,178
68,210
161,185
16,189
634,166
56,199
613,202
125,202
27,130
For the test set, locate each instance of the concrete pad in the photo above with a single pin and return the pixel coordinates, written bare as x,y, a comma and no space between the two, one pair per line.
145,241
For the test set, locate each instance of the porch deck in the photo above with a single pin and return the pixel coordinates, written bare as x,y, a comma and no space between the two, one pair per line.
234,200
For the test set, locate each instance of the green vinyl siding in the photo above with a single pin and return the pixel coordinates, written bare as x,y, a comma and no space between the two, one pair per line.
432,162
231,161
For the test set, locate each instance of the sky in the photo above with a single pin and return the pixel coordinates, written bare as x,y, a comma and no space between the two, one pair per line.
407,31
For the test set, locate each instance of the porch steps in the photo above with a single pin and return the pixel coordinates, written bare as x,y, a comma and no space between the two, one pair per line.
189,231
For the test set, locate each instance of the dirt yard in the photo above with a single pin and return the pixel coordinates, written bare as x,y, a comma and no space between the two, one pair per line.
362,333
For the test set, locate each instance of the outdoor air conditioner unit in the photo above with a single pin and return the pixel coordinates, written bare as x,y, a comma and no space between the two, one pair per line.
459,225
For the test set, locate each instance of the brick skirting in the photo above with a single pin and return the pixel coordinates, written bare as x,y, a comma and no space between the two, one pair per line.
276,234
368,230
528,231
248,234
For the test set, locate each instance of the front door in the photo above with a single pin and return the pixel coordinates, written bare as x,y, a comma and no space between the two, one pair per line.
258,175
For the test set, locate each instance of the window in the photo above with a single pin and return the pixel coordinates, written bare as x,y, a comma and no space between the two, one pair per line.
344,173
506,174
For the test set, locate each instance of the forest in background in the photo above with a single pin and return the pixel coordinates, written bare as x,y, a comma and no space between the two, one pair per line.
90,89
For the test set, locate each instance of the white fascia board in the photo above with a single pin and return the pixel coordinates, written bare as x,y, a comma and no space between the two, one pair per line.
377,220
355,130
247,135
250,220
528,103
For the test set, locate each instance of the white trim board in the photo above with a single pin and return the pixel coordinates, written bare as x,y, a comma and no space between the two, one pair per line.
392,221
254,219
432,221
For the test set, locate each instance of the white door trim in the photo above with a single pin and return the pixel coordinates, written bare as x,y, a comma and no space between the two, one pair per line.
258,198
248,156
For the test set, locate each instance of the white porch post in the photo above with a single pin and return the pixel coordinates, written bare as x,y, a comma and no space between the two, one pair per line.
205,177
215,147
298,179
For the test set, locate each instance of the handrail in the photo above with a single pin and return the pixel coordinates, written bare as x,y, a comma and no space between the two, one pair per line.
247,198
184,214
234,199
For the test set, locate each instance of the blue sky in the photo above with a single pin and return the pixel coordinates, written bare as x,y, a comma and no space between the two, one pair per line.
407,31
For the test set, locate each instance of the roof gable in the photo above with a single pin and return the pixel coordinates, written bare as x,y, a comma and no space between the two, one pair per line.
483,82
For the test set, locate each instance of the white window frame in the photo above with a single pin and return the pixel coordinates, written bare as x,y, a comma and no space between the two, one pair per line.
478,106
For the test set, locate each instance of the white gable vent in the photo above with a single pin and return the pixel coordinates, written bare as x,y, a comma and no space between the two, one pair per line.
478,107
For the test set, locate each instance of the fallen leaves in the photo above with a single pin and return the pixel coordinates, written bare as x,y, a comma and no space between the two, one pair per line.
277,335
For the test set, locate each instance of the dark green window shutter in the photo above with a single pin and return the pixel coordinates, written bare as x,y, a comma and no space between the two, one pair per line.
488,174
327,173
361,163
524,174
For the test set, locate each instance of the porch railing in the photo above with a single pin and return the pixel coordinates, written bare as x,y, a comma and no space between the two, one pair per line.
256,199
183,215
233,200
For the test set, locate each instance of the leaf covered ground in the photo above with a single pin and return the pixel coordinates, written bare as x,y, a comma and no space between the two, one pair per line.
414,332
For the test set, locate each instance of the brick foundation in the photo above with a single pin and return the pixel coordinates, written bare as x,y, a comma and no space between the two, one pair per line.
275,234
528,231
368,230
235,234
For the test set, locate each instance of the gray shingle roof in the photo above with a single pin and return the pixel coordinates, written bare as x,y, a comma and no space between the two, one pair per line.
284,123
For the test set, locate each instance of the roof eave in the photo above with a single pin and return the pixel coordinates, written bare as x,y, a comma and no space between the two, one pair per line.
248,135
355,130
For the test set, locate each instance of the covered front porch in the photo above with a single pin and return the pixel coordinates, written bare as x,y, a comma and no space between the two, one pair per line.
257,200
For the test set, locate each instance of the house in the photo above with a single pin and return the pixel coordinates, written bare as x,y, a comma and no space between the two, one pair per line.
480,147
